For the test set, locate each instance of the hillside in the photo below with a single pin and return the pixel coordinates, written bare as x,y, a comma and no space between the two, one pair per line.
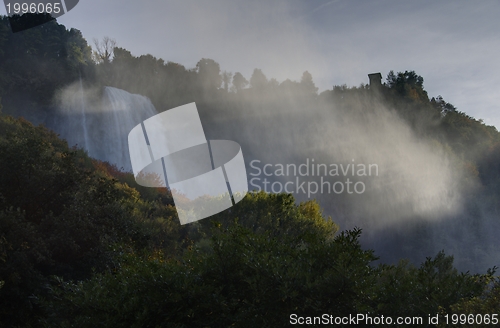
81,244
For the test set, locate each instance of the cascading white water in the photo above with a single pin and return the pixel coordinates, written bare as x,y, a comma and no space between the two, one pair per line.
100,121
84,123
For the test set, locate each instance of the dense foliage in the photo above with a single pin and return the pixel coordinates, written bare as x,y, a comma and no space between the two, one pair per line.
36,62
82,245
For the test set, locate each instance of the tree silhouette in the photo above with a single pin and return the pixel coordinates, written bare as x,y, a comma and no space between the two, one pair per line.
239,82
226,79
307,83
258,79
209,74
104,50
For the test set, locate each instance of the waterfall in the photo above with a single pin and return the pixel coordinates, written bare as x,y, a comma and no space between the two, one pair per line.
84,123
99,120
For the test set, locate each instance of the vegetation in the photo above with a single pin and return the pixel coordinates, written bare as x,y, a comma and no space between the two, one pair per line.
82,245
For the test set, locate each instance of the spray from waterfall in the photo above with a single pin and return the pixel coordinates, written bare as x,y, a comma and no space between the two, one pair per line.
408,207
84,119
99,120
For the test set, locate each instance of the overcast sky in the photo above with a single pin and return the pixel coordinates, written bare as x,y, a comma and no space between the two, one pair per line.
454,45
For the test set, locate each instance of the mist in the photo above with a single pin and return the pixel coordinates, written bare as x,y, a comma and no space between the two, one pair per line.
405,212
420,201
99,120
397,173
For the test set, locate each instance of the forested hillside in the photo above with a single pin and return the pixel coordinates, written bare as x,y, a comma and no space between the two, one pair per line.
82,245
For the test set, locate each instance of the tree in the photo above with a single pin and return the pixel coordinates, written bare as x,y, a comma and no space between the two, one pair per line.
442,105
104,50
410,291
307,84
290,87
273,83
226,79
58,216
79,52
270,257
258,79
239,82
409,85
38,61
209,74
487,303
408,77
